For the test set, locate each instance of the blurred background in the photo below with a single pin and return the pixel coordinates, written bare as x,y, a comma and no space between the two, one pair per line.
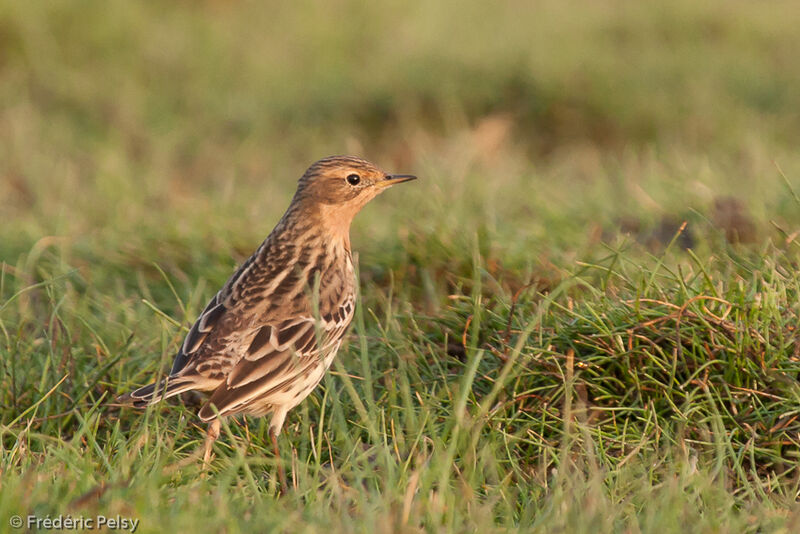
174,132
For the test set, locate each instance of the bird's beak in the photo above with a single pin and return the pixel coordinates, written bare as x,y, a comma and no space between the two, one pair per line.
392,179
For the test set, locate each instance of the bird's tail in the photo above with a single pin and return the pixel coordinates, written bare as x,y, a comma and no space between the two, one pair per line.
153,393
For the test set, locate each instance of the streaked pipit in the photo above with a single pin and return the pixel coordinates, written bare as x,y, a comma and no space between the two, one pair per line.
267,337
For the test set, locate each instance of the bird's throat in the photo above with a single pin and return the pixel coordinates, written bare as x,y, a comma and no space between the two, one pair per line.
335,224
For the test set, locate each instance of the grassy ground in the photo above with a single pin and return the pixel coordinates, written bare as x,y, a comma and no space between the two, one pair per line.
541,344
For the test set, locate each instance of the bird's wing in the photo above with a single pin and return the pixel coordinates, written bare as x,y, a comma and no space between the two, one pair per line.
279,355
209,319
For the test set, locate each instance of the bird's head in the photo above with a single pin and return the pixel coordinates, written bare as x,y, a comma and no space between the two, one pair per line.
338,187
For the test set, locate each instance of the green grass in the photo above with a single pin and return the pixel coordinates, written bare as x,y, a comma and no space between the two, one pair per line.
539,346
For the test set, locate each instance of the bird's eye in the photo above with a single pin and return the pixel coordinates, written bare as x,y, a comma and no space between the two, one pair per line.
353,179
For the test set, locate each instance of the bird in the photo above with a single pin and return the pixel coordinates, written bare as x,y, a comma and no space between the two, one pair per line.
267,337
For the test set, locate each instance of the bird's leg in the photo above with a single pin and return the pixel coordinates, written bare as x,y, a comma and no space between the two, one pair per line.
211,436
273,434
